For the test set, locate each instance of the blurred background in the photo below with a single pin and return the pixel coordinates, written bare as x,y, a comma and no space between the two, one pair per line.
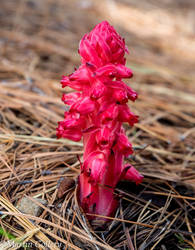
159,34
38,44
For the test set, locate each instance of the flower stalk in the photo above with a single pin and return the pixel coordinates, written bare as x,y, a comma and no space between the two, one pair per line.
97,111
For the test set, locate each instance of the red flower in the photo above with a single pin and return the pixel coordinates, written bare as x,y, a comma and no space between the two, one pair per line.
123,145
131,174
103,45
97,112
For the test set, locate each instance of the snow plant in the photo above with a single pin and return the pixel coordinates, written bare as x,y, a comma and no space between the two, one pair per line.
97,111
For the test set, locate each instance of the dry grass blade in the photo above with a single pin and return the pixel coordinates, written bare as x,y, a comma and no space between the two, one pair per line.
44,238
25,223
39,140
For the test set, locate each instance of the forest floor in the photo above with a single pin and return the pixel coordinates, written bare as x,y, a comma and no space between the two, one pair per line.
38,44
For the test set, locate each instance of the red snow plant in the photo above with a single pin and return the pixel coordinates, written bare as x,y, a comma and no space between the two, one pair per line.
97,111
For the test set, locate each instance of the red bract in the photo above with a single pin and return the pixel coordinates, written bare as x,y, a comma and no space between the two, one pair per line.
97,112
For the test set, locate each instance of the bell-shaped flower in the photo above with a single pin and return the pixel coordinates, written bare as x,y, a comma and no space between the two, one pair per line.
84,105
120,95
82,75
98,89
104,137
123,145
125,115
109,114
132,95
72,133
112,70
71,98
131,174
73,120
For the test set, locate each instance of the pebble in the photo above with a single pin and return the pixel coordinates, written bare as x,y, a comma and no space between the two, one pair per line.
27,206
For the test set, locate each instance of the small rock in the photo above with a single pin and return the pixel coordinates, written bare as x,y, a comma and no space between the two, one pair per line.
27,206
